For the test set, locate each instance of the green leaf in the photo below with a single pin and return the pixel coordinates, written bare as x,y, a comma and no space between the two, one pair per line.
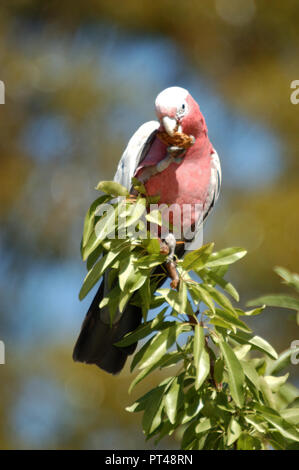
152,415
221,299
167,360
196,259
142,402
283,360
94,242
172,400
154,349
174,299
212,441
274,418
199,341
242,351
291,415
112,188
126,269
225,256
276,440
145,296
256,341
218,370
291,279
267,393
153,246
233,431
229,318
201,357
130,278
219,270
203,426
247,442
223,324
188,436
96,272
200,294
263,345
93,257
251,313
138,185
90,217
286,429
139,377
192,408
257,422
150,261
116,300
155,217
159,319
275,382
105,226
288,394
90,246
142,331
276,300
182,297
236,376
123,299
157,301
227,286
251,373
137,210
111,300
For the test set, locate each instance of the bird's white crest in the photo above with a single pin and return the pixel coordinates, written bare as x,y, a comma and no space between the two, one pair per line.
172,97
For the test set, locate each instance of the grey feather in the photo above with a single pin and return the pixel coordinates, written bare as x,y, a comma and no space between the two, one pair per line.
215,184
212,196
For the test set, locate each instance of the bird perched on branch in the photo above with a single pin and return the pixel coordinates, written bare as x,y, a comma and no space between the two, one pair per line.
174,159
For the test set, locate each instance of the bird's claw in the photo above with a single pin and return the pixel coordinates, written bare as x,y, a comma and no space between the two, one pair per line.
176,152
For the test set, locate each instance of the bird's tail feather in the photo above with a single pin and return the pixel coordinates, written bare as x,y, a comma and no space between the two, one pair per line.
95,344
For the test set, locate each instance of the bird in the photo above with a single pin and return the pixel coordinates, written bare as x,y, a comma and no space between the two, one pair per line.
174,159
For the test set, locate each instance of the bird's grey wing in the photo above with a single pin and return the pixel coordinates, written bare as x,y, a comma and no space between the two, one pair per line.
96,342
213,194
215,184
135,152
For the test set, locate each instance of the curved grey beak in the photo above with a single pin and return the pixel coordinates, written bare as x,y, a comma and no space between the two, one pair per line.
169,124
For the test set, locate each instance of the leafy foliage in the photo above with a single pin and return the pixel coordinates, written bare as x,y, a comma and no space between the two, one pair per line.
216,395
281,300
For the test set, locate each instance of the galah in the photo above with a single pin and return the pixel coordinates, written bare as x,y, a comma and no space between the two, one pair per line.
190,177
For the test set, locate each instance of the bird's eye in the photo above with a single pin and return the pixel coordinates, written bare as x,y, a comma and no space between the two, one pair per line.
181,110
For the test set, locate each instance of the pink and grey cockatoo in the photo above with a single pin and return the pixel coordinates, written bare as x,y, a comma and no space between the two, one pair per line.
182,177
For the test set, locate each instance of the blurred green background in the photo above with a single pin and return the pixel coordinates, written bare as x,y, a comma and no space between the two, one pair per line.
80,77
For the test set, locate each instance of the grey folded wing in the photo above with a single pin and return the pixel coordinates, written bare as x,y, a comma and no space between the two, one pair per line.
212,196
214,186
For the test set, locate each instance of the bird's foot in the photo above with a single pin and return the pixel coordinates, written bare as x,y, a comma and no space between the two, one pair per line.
170,264
173,274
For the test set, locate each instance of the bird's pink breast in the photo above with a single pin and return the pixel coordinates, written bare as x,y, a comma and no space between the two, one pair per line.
185,183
